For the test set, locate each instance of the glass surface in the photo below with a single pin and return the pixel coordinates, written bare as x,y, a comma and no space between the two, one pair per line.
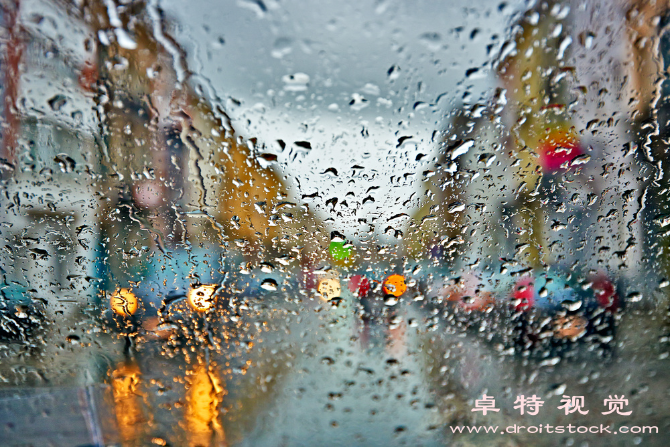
379,223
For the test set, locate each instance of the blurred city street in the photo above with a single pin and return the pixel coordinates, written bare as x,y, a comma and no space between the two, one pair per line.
388,223
320,377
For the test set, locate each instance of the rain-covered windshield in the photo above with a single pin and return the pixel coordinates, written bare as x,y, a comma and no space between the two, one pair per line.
378,223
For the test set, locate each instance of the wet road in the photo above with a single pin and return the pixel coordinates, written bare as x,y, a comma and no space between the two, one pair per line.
306,374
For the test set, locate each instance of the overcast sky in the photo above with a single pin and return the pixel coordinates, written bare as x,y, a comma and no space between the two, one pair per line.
322,72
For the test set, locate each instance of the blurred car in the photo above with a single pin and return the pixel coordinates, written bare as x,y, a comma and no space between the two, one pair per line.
551,314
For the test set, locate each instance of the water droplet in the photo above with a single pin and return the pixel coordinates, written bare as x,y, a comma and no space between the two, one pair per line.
634,297
297,82
580,160
456,207
462,148
586,39
124,39
65,162
393,72
336,236
269,284
391,300
358,102
572,305
57,102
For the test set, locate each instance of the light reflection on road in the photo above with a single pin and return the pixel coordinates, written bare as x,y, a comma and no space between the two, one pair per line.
317,374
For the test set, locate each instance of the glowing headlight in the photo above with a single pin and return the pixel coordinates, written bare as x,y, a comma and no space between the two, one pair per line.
124,302
202,298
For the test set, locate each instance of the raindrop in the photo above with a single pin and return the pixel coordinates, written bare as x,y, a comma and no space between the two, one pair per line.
580,160
57,102
358,102
65,162
266,267
297,82
586,39
336,236
572,305
269,284
461,148
393,72
124,39
634,297
456,207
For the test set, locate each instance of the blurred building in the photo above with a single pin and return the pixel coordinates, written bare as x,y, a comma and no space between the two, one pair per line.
50,157
185,199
